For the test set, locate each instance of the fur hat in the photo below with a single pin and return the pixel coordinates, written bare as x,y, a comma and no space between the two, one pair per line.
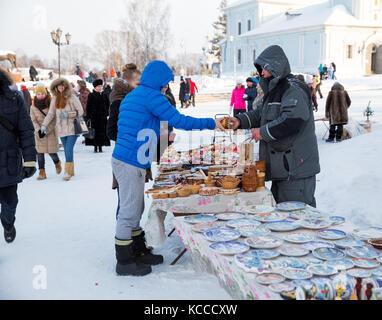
65,83
41,89
97,83
82,83
6,78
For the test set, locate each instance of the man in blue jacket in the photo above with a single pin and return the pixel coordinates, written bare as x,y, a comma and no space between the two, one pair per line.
138,130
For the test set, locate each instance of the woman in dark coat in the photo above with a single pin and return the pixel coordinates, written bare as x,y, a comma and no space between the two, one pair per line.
97,112
184,89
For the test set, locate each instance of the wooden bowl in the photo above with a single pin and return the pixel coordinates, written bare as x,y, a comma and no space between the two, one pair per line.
195,188
195,181
163,196
209,191
173,195
184,192
376,243
155,196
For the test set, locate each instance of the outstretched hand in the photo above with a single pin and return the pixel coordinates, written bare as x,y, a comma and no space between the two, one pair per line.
218,124
235,123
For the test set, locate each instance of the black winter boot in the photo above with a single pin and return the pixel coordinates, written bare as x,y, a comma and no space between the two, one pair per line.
95,149
142,253
126,262
10,235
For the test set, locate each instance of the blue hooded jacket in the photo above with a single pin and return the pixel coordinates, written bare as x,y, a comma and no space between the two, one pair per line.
140,115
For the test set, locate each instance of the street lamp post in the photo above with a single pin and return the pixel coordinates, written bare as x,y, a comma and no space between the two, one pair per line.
56,38
231,39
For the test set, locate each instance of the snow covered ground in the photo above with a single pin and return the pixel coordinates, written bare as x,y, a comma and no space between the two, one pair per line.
68,227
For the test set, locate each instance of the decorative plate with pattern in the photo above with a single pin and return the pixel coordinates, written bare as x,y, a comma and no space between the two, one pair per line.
379,259
282,287
377,272
263,242
362,252
235,223
328,253
288,262
303,283
251,263
280,226
311,245
251,231
293,251
257,209
322,270
272,216
200,218
359,273
269,278
368,233
348,243
306,214
229,247
315,224
221,234
264,253
229,216
297,237
202,227
341,264
337,220
297,274
291,206
331,234
366,263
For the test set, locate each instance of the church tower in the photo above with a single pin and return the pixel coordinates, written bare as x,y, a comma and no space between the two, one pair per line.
364,10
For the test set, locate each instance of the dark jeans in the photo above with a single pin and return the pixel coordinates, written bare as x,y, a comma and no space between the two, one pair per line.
301,190
192,98
318,89
336,131
41,159
8,202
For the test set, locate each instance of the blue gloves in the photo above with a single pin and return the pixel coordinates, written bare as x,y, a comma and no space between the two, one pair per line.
63,115
43,129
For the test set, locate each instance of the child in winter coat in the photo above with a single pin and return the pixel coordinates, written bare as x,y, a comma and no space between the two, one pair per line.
140,115
237,100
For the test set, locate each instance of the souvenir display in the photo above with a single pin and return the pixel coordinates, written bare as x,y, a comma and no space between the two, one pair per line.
359,273
368,233
258,209
322,270
323,288
362,252
249,179
229,192
377,272
328,253
297,274
297,237
221,234
282,225
229,247
235,223
252,231
272,216
202,227
263,242
264,253
336,220
306,214
280,287
302,283
366,263
312,223
201,218
229,216
348,243
311,245
251,263
341,264
312,260
288,262
293,251
331,234
209,191
269,278
228,182
291,206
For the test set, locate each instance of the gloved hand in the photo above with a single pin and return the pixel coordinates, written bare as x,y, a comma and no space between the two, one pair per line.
63,115
245,96
43,129
29,169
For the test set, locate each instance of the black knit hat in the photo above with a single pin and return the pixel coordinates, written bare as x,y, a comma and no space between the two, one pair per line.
250,80
97,83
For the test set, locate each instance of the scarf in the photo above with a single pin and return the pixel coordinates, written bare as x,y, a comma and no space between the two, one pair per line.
42,104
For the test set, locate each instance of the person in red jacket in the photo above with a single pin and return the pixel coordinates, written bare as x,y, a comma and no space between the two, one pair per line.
237,100
192,91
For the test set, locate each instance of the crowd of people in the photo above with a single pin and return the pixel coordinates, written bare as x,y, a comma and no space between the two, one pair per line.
276,105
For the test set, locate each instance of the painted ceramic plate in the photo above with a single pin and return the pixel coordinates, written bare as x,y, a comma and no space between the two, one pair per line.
251,263
348,243
264,253
322,270
221,234
303,283
258,209
229,247
368,233
252,231
291,206
263,242
341,264
297,274
331,234
229,216
288,262
200,218
317,244
377,272
359,273
269,278
235,223
282,287
306,214
312,223
269,217
379,259
298,237
328,253
293,251
366,263
203,227
362,252
337,220
311,260
282,225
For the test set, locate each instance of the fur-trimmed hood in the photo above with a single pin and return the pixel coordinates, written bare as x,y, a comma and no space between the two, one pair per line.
67,85
120,89
6,79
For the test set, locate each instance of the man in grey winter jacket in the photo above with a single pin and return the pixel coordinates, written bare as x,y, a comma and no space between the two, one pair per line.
284,125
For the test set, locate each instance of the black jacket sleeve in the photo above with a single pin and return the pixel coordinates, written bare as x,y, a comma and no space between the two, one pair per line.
112,122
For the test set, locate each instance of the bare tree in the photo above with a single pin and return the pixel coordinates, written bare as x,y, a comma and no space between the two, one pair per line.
76,53
108,49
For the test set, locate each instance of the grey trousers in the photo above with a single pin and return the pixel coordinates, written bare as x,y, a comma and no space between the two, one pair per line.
295,190
131,181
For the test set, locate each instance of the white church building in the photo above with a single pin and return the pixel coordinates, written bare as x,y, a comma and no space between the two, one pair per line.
313,32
